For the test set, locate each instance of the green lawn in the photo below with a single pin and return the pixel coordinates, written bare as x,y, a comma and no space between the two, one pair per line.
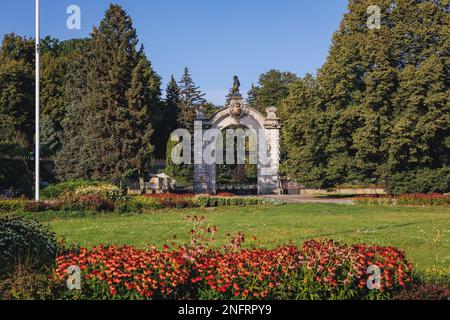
424,233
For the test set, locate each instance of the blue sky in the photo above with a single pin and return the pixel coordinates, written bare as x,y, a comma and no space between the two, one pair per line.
214,38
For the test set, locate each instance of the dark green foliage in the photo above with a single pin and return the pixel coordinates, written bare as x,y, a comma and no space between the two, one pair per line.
50,142
191,98
182,173
379,112
25,242
169,120
252,96
17,90
69,160
305,134
273,87
17,174
420,181
108,128
17,105
210,108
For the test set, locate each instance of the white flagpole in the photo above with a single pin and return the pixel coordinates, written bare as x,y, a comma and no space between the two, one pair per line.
37,151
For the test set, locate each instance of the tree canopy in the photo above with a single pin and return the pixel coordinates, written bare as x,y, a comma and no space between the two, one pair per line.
379,110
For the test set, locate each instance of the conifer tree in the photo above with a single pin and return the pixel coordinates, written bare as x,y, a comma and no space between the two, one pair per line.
190,99
120,94
252,96
72,161
170,112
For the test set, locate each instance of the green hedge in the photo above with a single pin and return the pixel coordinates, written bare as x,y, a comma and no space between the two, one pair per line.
420,181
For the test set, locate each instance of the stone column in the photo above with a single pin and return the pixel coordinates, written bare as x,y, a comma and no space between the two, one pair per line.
202,171
268,177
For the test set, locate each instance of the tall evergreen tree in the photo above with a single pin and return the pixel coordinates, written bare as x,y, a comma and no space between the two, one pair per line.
170,113
173,96
252,96
190,99
72,161
121,92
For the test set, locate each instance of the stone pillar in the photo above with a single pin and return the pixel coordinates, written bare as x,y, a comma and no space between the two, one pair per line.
202,171
268,174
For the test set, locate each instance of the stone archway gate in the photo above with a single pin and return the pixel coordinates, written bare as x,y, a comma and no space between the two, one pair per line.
236,113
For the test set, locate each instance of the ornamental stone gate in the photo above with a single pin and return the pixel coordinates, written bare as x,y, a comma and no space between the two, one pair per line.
238,114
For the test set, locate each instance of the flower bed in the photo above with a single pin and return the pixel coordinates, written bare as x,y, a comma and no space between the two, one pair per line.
317,270
406,200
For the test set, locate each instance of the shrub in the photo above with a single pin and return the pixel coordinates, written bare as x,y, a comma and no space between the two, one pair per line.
434,275
54,191
202,201
23,205
142,204
106,191
25,242
420,181
89,202
27,284
93,202
12,205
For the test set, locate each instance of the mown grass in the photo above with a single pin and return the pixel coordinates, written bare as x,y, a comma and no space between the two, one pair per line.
422,232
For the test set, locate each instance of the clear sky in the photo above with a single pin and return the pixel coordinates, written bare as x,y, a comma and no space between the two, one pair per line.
216,39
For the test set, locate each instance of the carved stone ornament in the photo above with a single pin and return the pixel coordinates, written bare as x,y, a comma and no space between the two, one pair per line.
272,120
